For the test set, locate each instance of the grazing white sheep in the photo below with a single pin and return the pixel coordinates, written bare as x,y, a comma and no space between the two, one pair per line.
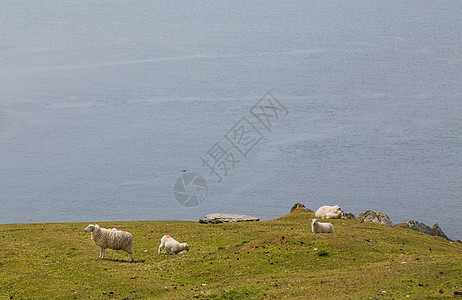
172,246
318,227
329,212
111,238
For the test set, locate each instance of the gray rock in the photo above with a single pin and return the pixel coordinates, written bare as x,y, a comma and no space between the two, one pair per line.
435,230
438,232
299,205
376,217
348,216
420,227
228,218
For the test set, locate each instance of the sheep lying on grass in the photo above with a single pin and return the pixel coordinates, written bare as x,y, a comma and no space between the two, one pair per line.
111,238
331,215
171,246
329,212
318,227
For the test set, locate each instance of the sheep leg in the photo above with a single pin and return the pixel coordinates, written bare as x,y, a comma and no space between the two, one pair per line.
160,248
131,257
101,255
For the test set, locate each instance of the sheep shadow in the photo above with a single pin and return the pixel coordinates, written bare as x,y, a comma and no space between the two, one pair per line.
138,261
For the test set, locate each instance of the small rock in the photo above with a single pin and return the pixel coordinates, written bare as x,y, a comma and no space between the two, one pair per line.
299,206
376,217
350,216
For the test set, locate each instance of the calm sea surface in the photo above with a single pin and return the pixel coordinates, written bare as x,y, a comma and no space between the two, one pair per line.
104,104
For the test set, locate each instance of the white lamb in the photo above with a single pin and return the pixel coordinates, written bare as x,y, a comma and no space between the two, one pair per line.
329,212
171,246
318,227
111,238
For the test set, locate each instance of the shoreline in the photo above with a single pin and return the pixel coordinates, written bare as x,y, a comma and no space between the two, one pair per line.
167,220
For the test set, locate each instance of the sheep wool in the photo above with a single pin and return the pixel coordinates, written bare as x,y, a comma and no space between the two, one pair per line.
111,238
329,212
331,215
318,227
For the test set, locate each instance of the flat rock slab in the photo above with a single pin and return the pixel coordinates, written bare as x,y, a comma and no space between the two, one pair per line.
228,218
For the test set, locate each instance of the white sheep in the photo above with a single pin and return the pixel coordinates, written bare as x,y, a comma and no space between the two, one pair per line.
329,212
318,227
111,238
331,215
171,246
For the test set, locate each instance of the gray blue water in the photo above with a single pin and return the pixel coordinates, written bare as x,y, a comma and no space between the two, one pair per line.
103,103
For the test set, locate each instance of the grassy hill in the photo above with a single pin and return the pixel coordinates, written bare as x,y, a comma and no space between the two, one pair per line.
281,258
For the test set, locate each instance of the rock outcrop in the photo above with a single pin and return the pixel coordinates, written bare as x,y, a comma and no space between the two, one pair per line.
435,230
299,207
348,216
438,232
376,217
228,218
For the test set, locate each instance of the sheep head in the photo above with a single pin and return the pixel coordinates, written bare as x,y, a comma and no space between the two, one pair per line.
91,227
185,246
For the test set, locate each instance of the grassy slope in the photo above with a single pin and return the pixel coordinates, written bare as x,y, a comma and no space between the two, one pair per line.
281,258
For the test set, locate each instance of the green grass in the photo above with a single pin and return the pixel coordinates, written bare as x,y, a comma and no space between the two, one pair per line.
281,258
